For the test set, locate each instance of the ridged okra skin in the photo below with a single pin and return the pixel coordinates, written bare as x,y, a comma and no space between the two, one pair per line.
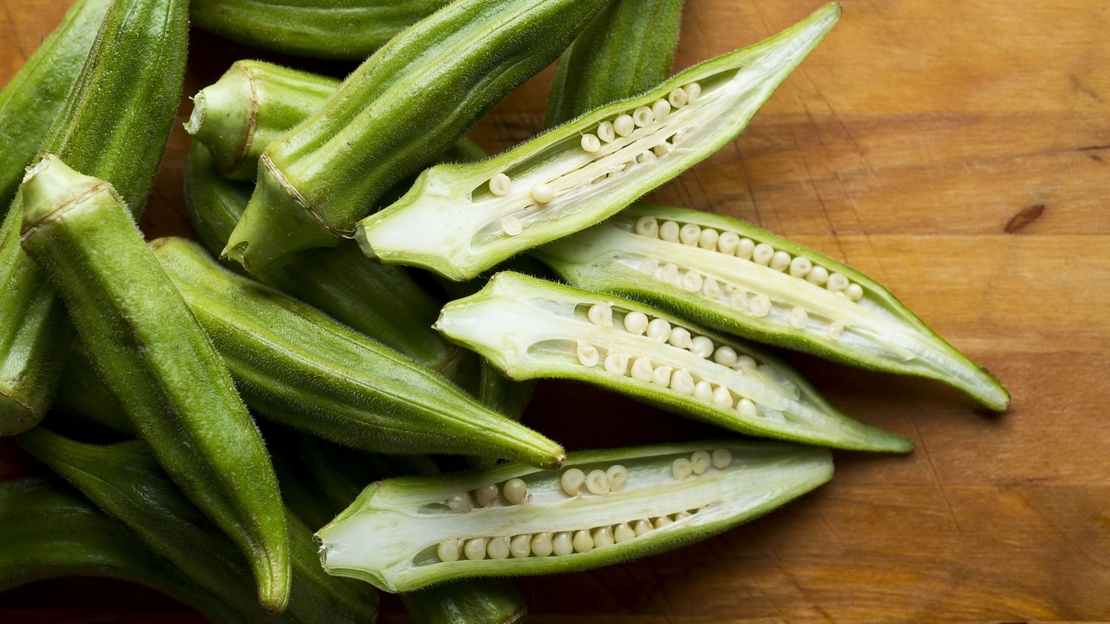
530,328
737,278
125,483
459,220
627,49
156,360
602,507
114,125
298,366
48,531
472,601
33,97
401,108
328,29
80,390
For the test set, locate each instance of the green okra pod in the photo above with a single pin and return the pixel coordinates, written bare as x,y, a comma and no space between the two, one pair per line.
158,363
348,30
735,277
114,125
470,601
459,220
531,328
82,391
397,111
296,365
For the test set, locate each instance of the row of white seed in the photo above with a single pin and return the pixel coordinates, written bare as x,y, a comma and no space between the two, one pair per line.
699,462
515,492
598,482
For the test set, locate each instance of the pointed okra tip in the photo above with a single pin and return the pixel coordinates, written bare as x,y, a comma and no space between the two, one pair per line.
50,188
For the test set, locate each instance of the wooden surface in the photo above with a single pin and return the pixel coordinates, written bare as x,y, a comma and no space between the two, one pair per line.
957,152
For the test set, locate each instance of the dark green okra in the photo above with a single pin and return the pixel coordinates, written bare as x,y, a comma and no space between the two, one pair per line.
459,220
735,277
33,97
348,30
298,366
82,391
48,531
626,50
602,507
113,125
469,601
125,482
396,112
156,360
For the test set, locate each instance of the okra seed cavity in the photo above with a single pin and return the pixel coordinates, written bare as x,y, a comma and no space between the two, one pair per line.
500,184
692,281
799,318
486,495
642,116
760,305
635,322
669,231
689,234
590,143
542,193
448,550
711,288
738,300
597,483
659,329
648,265
573,480
701,346
624,125
475,549
677,98
762,254
498,548
660,109
699,462
681,468
520,546
662,149
588,354
670,272
460,503
601,314
561,544
605,132
693,90
542,545
722,458
511,225
836,328
682,515
516,491
618,476
647,226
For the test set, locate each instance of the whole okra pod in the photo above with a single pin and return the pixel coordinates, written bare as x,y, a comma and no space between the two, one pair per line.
113,125
154,358
397,111
82,391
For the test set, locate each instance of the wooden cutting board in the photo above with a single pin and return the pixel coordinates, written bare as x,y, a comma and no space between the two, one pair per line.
957,152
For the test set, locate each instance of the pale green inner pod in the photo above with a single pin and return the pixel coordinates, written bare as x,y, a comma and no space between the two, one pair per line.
402,534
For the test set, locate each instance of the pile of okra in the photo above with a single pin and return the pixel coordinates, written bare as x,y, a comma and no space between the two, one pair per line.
332,384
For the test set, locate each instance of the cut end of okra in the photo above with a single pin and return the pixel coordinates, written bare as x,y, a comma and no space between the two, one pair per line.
460,220
529,328
228,129
738,278
51,188
602,507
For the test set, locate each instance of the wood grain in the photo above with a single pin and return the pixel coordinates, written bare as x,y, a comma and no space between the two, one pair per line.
957,152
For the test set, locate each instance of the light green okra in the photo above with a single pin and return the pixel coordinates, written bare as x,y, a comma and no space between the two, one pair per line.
156,360
459,220
396,112
603,507
114,125
33,97
735,277
626,50
298,366
530,328
348,30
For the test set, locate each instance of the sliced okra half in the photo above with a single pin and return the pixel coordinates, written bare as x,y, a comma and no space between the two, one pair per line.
459,220
602,507
530,328
738,278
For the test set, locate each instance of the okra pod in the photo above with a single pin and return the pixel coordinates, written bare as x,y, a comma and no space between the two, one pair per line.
158,363
113,125
296,365
735,277
470,601
602,507
459,220
80,390
397,111
350,30
531,328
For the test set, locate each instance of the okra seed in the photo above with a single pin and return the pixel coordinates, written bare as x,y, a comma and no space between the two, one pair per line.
711,288
635,322
475,549
601,314
616,363
692,281
761,305
662,521
460,503
641,527
725,356
605,132
660,109
837,282
573,480
498,548
542,193
818,275
486,494
708,238
500,184
642,370
670,272
662,149
835,329
780,261
722,458
602,537
623,532
680,337
588,354
659,329
682,515
520,546
646,157
541,544
590,143
682,382
727,243
689,234
511,225
669,231
762,254
624,125
693,90
647,226
738,300
722,398
661,376
799,318
854,292
800,266
515,491
597,483
703,391
648,265
745,248
643,116
746,407
699,462
582,541
618,476
681,468
677,98
701,346
745,361
448,550
561,544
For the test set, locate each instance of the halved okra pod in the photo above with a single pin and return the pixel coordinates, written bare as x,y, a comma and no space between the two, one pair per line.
397,111
298,366
151,354
738,278
603,507
531,328
114,125
459,220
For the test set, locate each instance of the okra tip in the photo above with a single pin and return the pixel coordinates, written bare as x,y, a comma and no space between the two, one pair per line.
15,415
50,188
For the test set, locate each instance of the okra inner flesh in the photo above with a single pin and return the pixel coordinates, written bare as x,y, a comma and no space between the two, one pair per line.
602,507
